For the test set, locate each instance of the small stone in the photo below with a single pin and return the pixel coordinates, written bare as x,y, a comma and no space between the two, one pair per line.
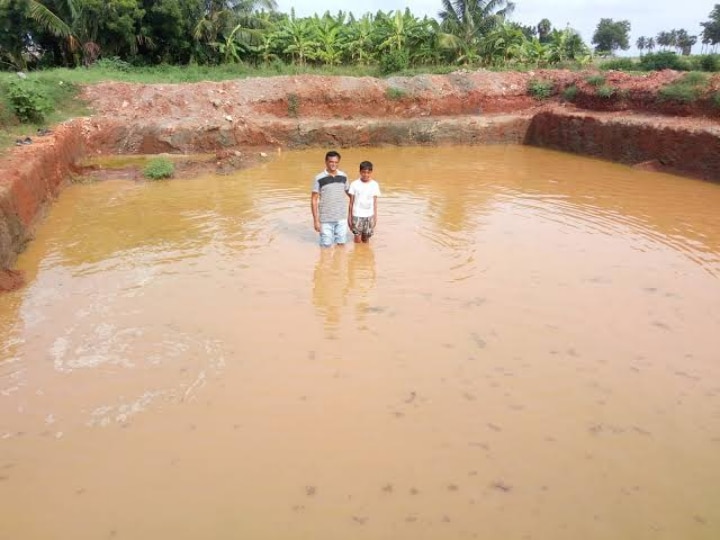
21,75
228,118
263,154
215,102
124,104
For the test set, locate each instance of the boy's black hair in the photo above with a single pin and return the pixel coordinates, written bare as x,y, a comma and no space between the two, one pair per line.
332,153
366,166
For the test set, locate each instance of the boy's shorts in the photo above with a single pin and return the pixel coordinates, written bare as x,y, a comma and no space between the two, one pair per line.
362,226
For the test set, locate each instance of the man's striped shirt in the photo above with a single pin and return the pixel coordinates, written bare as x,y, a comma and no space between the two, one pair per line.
333,205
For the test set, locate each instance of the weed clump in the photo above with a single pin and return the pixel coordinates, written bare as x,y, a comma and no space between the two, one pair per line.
159,168
685,90
570,93
716,99
393,93
293,104
540,88
606,91
596,80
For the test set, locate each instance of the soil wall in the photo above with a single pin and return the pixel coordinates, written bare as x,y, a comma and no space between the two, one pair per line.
30,179
648,142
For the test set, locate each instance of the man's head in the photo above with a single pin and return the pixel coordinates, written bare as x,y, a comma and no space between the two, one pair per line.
332,160
366,169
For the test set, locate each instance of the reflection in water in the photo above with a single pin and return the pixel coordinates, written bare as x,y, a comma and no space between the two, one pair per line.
361,282
344,276
330,285
524,350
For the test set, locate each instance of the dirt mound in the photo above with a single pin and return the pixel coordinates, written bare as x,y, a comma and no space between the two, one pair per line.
460,93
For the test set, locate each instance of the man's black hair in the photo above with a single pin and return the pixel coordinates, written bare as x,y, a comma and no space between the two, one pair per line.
332,153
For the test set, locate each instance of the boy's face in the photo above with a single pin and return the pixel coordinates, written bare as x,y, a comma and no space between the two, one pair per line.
365,175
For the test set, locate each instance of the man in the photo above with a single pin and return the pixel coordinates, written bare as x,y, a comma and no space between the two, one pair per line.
328,202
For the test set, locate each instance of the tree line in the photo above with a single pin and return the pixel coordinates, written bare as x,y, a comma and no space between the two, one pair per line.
49,33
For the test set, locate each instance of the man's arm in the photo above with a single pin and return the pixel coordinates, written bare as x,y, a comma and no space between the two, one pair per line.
314,207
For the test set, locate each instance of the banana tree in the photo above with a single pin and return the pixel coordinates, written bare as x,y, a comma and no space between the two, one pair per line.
327,47
358,38
295,35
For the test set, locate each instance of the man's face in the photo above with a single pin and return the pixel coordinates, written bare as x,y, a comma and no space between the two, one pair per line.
332,163
365,175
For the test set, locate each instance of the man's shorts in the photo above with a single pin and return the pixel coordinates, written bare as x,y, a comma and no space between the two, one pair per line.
333,232
362,226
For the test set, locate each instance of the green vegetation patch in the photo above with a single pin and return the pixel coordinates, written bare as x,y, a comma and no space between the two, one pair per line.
293,105
606,91
709,62
595,80
619,64
570,93
394,93
540,88
159,168
28,100
32,102
663,60
685,90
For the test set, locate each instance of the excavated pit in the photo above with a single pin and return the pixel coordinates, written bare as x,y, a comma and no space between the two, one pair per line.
236,120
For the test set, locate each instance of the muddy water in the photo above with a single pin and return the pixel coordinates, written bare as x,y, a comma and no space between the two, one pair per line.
527,349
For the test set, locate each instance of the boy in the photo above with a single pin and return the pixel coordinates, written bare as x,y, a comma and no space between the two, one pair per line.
362,210
328,202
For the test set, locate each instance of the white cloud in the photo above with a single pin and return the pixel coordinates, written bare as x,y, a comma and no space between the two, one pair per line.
647,18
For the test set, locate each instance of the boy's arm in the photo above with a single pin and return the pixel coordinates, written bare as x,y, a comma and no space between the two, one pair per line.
350,206
375,211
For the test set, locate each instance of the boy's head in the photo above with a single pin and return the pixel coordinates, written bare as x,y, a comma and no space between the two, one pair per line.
366,169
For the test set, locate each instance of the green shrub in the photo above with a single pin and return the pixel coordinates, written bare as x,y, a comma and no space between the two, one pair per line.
570,93
28,100
159,168
606,91
695,78
619,64
685,90
293,104
394,61
595,80
540,88
716,99
679,92
710,62
663,60
393,93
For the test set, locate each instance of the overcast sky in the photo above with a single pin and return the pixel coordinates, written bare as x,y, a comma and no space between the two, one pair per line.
647,17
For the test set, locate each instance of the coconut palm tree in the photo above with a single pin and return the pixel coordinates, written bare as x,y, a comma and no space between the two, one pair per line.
465,22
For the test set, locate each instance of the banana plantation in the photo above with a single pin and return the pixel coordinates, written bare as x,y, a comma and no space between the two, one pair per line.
37,34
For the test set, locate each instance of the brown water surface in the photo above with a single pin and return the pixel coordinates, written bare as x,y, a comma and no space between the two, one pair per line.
527,349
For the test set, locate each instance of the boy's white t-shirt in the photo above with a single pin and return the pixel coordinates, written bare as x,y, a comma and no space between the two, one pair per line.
364,193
